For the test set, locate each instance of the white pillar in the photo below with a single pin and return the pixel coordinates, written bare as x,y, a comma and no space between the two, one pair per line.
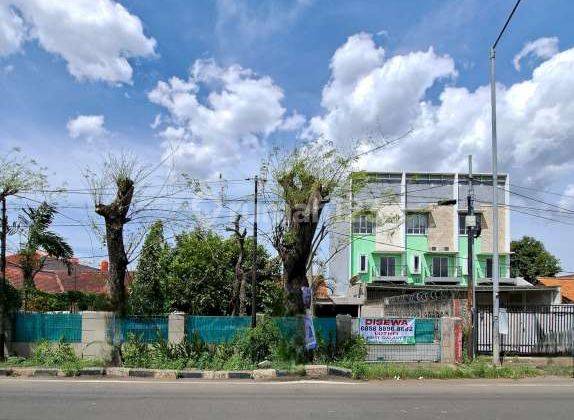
176,327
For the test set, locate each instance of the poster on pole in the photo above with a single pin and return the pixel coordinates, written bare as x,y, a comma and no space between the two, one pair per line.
388,331
310,340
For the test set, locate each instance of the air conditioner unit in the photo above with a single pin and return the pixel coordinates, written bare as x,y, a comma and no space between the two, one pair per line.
433,248
446,248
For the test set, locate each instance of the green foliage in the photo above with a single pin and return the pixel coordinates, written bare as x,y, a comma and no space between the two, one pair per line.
531,260
10,300
35,224
148,290
39,301
58,355
200,275
18,173
477,369
259,343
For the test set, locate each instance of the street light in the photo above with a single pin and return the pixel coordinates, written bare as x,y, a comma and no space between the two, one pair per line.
495,272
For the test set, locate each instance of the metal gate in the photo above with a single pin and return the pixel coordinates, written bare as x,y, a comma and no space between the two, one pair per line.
532,330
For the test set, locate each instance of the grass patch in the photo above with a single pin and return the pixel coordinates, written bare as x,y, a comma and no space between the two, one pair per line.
475,370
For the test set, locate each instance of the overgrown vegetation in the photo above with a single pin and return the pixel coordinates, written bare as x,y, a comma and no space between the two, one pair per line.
39,301
245,351
474,370
54,355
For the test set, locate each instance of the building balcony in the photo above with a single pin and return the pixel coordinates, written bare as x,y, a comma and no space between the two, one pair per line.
396,275
445,275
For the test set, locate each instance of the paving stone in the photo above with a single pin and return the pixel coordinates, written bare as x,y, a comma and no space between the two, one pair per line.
23,371
165,374
264,374
190,374
118,371
239,374
316,371
92,371
339,371
141,373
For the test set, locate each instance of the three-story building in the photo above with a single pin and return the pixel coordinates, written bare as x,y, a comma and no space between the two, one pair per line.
409,228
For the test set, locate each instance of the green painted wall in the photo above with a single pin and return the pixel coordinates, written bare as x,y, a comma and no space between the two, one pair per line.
417,245
362,245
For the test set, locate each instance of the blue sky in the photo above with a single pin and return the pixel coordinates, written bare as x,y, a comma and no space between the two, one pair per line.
280,55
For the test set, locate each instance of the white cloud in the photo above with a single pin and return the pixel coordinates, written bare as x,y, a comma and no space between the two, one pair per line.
223,128
96,38
383,98
89,127
12,30
542,48
247,23
370,96
294,122
567,201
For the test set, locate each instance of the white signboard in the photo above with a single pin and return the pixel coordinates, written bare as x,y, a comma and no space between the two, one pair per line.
388,331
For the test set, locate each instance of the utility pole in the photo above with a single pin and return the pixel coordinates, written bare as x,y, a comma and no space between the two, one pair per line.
254,268
3,298
470,223
495,266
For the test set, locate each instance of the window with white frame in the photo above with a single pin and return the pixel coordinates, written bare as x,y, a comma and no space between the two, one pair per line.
440,267
489,268
417,223
364,224
363,263
388,267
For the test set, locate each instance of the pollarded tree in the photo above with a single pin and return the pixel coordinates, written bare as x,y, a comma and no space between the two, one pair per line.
305,181
17,174
147,294
120,173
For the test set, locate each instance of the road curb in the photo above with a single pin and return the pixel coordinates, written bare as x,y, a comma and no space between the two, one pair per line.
311,371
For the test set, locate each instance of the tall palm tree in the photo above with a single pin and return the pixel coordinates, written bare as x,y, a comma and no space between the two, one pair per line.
36,222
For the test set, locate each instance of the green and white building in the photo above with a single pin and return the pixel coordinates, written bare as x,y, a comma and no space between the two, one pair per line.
396,232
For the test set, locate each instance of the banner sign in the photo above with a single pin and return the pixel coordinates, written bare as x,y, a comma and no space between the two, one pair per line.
310,341
388,331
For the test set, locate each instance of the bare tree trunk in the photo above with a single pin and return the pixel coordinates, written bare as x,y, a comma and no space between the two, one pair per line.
115,216
237,303
295,255
117,266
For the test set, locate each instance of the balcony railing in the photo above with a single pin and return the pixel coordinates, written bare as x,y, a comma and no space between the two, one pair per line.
446,272
399,271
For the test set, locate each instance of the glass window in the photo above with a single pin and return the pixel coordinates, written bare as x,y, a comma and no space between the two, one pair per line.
417,223
388,267
364,223
416,264
363,263
440,267
489,268
462,223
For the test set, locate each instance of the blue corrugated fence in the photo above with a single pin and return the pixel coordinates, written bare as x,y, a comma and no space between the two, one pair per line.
33,327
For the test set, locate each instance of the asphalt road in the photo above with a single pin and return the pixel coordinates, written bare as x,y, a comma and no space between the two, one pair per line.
139,400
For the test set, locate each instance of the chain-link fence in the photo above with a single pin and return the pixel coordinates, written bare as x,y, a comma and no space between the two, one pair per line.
426,346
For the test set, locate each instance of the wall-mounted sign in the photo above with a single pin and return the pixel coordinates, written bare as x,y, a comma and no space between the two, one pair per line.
387,330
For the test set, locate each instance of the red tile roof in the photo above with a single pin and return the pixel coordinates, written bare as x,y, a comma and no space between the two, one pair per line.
566,284
55,277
